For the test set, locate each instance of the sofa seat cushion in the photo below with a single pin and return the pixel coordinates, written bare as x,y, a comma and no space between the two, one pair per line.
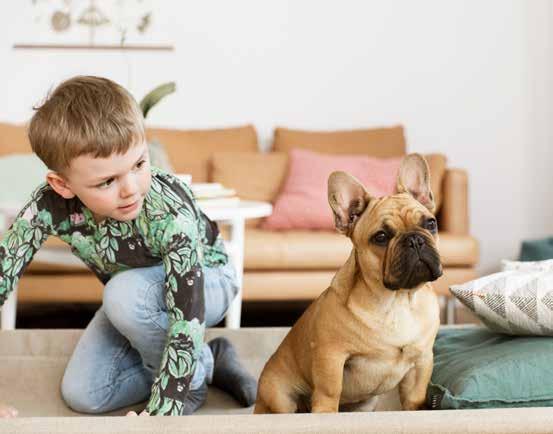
294,249
320,250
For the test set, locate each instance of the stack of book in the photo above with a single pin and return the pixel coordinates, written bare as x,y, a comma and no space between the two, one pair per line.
214,194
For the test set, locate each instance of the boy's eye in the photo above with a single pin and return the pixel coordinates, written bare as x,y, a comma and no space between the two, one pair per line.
140,164
106,183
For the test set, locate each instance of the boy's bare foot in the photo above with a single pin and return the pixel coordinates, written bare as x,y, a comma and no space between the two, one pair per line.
7,411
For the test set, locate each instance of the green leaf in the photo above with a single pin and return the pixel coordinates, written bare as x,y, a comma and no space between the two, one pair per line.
28,236
164,381
167,405
155,96
21,250
173,286
182,368
104,243
172,353
113,244
175,257
17,268
173,369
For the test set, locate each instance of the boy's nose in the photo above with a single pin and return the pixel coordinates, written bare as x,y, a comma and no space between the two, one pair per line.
128,187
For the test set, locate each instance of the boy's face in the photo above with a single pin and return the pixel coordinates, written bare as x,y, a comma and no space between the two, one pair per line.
110,187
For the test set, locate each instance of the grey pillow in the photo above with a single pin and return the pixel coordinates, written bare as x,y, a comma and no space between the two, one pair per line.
159,157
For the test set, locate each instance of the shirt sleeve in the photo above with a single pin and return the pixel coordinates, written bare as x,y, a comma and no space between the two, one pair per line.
184,284
22,240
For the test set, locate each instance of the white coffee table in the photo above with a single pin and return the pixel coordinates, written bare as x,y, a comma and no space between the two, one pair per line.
234,216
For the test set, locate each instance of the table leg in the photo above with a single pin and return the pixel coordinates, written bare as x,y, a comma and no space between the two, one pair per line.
8,311
236,252
9,308
450,310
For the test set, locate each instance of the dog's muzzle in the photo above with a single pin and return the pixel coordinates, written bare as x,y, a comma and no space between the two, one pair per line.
416,262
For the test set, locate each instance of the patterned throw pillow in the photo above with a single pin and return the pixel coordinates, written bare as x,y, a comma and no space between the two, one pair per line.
516,301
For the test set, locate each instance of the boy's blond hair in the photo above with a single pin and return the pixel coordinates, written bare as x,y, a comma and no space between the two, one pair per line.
85,115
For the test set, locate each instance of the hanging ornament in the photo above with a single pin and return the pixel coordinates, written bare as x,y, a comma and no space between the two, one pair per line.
144,23
92,17
61,21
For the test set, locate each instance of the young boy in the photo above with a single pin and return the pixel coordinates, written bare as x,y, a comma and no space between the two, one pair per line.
162,261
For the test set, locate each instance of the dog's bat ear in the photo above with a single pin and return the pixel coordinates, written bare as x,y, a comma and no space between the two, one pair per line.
348,199
414,178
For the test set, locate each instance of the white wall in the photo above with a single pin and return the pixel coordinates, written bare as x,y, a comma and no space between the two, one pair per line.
471,79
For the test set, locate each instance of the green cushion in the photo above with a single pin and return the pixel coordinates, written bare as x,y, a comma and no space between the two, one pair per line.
20,175
477,368
536,250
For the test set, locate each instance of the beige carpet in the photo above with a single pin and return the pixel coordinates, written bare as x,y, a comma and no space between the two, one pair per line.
32,363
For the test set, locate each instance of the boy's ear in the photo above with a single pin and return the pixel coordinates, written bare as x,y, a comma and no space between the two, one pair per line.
59,184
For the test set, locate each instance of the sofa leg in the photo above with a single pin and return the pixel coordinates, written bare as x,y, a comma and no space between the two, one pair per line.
450,310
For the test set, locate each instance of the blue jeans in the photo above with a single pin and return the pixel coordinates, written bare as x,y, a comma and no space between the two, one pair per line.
117,358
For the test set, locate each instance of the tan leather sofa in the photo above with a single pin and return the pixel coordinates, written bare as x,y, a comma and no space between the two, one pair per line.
288,265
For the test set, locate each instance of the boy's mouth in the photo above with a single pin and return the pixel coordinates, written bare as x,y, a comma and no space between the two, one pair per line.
129,207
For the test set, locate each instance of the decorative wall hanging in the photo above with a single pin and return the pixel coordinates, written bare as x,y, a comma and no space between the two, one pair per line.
93,25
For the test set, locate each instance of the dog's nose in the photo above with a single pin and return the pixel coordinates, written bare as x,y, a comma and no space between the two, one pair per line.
414,241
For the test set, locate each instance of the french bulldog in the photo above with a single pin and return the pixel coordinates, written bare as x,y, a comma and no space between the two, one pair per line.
374,327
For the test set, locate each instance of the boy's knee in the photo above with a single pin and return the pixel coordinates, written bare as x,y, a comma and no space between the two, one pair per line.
79,398
128,302
119,299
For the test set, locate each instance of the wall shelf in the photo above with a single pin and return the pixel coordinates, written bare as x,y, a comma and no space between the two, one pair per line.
93,47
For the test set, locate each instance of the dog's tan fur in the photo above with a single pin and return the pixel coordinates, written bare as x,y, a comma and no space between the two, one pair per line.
360,339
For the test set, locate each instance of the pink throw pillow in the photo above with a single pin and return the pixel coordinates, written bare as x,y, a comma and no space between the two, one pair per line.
303,203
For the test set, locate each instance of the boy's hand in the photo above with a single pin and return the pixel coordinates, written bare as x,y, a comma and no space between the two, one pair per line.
7,411
133,413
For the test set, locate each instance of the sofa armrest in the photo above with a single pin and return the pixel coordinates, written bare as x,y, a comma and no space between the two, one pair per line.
454,213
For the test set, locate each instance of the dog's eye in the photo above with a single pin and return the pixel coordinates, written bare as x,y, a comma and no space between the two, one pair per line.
380,238
431,225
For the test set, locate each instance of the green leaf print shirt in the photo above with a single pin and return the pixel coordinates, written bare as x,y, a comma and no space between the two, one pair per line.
170,229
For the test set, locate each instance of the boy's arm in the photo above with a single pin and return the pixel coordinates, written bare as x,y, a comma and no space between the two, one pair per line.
184,286
18,246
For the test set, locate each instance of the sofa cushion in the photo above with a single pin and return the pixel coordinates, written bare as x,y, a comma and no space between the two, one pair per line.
320,250
13,139
190,150
303,201
254,175
375,142
437,165
476,368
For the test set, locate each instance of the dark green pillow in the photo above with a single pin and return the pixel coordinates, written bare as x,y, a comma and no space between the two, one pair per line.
477,368
536,250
